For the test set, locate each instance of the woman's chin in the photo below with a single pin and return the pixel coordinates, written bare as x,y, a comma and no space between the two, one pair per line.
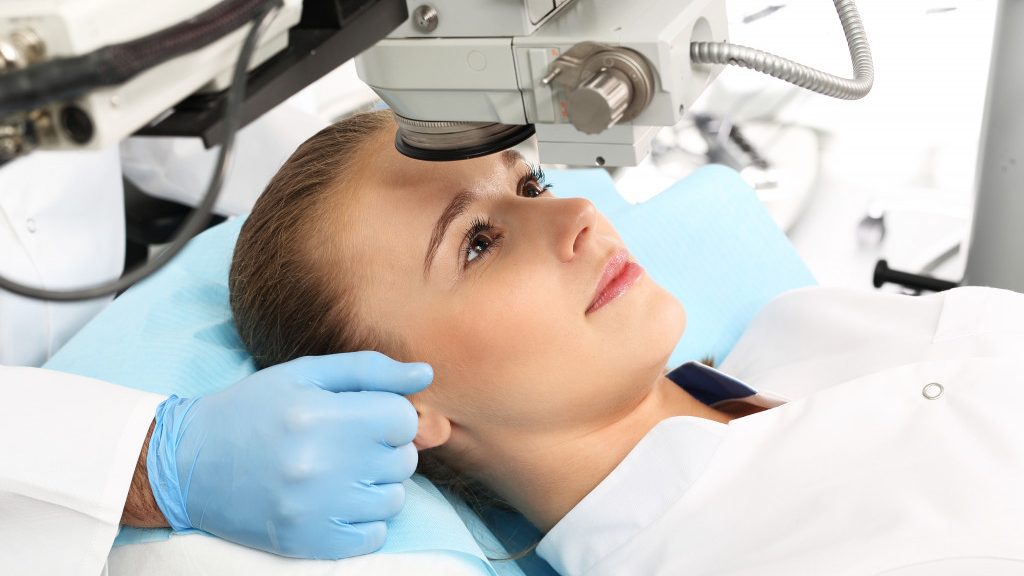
671,325
663,325
668,318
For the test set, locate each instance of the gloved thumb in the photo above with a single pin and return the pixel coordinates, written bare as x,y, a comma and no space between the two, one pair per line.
363,371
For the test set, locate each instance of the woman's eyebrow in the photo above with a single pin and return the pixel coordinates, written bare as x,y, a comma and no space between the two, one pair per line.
455,208
512,159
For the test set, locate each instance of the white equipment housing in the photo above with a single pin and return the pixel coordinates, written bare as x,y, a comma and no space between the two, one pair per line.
75,27
485,60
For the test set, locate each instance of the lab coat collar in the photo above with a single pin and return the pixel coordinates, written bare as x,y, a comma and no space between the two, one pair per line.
655,474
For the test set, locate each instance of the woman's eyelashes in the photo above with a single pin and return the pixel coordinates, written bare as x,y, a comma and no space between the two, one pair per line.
533,183
483,236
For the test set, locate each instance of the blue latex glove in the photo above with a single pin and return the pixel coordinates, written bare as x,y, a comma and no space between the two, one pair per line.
303,459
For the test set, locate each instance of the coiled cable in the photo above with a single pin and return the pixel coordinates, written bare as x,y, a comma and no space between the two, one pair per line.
799,74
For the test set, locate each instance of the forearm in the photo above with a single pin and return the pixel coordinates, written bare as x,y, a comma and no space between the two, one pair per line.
141,510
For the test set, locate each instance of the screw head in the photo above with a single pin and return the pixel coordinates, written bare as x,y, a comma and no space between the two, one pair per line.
424,18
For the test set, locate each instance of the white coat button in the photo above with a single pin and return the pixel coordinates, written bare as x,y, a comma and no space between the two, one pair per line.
30,225
932,391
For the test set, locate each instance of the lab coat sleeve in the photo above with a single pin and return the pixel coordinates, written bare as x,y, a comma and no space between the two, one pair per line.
68,449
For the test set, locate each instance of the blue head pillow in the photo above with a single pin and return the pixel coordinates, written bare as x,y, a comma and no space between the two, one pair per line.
707,239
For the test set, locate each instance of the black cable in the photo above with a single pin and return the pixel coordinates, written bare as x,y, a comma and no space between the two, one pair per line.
200,216
63,79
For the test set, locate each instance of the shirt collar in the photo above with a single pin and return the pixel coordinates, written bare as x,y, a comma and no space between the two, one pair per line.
714,387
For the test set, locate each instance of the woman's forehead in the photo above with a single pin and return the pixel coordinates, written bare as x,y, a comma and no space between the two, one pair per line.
400,170
400,183
400,199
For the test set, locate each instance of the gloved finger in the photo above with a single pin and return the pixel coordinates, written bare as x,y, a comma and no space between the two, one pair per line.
399,422
394,465
382,416
338,539
366,502
345,539
360,371
391,498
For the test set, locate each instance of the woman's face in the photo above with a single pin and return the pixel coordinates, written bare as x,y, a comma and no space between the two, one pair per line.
492,279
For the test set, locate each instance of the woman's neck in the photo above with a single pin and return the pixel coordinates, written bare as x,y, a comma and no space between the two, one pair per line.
546,477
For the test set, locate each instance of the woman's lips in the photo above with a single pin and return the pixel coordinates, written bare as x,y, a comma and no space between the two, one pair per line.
618,276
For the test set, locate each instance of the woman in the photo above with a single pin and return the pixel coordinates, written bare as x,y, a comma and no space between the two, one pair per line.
548,345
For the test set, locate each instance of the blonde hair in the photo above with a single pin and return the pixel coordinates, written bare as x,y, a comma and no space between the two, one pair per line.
285,305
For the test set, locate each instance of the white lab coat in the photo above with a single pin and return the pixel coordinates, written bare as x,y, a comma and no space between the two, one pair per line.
68,445
61,227
866,470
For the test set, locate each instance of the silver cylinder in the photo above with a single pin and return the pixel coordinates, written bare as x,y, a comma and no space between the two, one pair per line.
600,101
444,140
19,49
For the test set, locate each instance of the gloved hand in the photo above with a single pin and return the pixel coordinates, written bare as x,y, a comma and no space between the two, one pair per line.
303,459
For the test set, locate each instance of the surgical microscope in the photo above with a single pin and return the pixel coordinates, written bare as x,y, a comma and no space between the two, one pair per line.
593,80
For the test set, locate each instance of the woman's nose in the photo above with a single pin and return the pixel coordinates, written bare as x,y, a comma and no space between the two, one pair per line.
576,219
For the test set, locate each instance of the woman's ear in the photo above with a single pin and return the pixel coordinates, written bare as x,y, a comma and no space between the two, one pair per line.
434,427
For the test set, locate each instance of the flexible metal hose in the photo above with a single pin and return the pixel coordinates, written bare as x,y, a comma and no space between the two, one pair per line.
803,76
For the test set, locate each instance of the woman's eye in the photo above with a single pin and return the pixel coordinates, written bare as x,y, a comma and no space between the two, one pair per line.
533,189
478,245
481,238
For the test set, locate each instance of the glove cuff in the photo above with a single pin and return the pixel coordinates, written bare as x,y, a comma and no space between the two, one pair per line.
161,461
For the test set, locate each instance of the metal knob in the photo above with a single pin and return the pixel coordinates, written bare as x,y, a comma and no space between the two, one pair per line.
19,49
600,101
